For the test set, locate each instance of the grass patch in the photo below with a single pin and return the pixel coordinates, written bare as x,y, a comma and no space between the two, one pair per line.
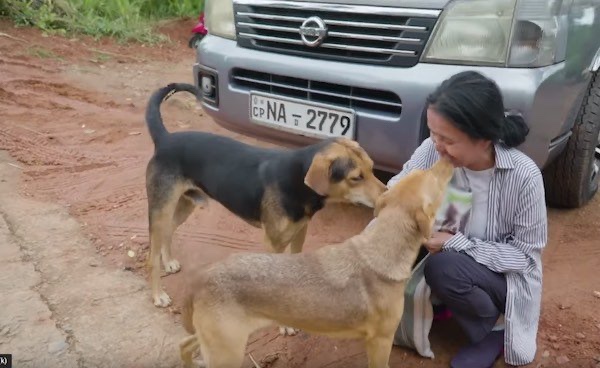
42,53
101,58
125,20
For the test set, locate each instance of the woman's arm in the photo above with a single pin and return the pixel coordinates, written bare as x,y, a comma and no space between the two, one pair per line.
529,236
423,157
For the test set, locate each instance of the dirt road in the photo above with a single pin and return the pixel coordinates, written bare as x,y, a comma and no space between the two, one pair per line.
63,304
71,119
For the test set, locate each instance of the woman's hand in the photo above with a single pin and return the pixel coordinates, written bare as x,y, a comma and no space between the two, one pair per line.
437,240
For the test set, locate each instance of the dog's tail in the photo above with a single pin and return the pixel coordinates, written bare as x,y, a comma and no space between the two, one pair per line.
153,117
187,314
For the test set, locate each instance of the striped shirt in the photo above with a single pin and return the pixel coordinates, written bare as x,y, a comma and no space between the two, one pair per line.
516,233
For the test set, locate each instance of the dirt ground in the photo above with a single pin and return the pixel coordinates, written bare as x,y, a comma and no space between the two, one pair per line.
71,116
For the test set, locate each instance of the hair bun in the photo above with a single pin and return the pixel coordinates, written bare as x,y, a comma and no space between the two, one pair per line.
514,129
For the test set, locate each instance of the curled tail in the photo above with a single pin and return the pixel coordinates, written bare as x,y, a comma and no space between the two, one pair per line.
153,117
187,315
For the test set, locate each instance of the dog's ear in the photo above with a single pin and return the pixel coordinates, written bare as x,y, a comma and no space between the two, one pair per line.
425,217
348,142
317,176
355,147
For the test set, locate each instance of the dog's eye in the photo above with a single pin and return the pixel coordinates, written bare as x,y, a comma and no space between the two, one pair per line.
357,178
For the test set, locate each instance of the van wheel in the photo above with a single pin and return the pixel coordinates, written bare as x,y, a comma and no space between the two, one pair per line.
571,180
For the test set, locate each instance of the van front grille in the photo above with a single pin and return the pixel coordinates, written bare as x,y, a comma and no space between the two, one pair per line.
360,99
365,34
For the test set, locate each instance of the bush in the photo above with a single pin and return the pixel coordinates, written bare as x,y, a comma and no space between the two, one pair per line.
122,19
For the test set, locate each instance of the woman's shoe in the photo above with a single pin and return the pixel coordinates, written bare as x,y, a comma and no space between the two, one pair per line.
441,313
482,354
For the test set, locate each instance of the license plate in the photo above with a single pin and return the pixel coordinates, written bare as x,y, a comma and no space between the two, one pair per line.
309,119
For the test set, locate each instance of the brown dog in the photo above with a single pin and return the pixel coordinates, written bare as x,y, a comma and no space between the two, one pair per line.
350,290
278,190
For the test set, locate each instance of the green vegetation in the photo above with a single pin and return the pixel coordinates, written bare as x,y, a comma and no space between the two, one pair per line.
42,53
122,19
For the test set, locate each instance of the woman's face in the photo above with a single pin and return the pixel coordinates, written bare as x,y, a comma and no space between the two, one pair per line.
457,146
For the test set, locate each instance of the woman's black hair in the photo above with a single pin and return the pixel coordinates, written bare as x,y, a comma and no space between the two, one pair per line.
474,104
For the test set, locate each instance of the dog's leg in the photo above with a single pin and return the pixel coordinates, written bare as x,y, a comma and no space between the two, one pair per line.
161,230
185,207
278,234
286,330
274,242
295,247
223,342
379,349
187,348
276,245
298,240
164,191
228,354
278,230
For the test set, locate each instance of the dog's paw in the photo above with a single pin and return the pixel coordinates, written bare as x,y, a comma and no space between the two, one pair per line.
172,266
162,300
289,331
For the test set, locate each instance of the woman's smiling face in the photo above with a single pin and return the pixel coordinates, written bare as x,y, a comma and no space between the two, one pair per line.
452,143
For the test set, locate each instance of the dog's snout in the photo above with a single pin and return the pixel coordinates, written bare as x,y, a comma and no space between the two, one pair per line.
443,169
378,188
368,194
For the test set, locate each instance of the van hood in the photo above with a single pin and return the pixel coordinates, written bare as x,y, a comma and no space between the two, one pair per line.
419,4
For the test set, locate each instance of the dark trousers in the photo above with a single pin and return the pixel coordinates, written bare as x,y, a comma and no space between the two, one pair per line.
475,295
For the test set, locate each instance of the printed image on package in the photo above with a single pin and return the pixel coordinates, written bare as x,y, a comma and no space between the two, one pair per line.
455,212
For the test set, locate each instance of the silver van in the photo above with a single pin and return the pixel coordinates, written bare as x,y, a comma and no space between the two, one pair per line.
293,72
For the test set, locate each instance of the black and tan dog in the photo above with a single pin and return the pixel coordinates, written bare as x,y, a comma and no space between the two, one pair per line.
353,289
278,190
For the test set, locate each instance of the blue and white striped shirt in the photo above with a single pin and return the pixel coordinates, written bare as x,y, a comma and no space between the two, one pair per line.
516,233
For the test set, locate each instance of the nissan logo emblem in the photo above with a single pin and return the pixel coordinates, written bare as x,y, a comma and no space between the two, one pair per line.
313,31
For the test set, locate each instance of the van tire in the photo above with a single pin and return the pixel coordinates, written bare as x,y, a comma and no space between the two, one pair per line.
571,180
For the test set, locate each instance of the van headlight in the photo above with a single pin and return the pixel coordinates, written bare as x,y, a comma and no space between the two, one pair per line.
540,33
219,18
500,33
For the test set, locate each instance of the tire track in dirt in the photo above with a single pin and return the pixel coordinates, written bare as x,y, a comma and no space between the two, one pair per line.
200,236
103,194
30,96
5,63
33,150
28,100
36,173
61,89
568,227
107,167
